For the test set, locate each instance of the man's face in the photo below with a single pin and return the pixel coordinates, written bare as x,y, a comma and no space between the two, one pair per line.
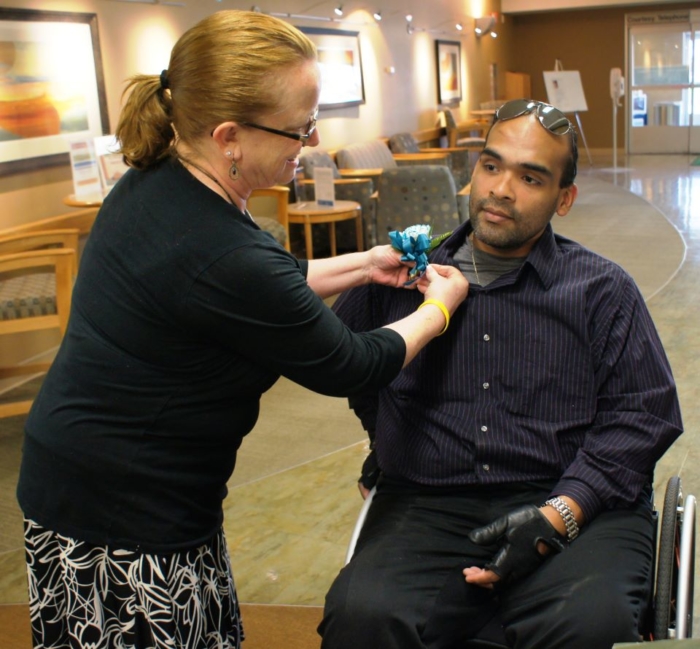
515,186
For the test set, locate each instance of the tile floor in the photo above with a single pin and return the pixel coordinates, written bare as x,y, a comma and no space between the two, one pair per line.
293,500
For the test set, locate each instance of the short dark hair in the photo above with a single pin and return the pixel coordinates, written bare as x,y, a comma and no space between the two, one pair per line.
568,174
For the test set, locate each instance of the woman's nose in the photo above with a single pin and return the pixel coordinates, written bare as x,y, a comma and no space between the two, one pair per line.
314,140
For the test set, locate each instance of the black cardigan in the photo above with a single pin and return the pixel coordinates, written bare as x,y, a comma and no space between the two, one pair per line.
184,313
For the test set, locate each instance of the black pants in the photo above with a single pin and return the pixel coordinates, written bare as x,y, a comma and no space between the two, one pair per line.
404,588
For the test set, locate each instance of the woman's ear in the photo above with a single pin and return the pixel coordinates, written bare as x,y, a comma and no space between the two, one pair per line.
227,138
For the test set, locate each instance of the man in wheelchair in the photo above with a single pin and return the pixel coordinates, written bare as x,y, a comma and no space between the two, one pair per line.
515,454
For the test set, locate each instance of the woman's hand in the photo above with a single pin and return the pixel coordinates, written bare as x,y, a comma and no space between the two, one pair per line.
385,267
446,284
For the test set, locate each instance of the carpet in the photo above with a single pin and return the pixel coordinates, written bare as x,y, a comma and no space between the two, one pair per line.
266,626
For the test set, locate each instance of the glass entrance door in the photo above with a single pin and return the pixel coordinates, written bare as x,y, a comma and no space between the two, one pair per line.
663,107
695,93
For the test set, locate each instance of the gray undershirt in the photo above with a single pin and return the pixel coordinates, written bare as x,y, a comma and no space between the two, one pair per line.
490,267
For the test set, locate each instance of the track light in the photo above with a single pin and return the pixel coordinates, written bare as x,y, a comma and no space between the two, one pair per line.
484,25
409,24
459,27
377,15
339,10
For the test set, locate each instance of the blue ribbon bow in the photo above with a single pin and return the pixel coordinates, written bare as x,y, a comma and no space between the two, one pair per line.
414,242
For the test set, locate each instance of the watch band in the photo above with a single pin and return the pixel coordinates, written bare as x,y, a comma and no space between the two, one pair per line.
567,515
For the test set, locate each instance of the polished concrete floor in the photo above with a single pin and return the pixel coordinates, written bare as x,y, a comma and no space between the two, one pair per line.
293,498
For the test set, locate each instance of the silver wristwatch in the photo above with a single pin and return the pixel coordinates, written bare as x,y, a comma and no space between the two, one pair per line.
567,516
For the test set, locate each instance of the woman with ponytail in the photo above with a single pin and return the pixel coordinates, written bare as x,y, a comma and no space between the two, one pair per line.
184,312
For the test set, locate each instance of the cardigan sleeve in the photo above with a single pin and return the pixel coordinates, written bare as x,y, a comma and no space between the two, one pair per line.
255,301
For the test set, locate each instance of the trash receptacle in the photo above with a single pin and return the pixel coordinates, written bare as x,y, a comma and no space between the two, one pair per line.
667,113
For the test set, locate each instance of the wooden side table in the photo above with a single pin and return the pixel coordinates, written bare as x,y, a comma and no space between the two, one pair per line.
89,200
311,213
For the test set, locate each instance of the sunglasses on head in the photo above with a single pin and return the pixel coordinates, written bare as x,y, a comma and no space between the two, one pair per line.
551,118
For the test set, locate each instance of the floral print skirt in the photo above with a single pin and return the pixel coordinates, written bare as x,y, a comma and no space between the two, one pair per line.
84,596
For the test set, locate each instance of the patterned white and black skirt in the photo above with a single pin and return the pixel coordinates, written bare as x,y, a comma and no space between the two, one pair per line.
89,596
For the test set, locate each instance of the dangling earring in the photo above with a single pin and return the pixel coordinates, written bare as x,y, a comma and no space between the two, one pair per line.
233,172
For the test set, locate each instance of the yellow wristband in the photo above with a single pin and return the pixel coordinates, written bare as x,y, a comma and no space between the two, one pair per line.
442,308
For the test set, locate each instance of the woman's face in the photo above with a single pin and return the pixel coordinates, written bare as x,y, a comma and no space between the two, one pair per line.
266,158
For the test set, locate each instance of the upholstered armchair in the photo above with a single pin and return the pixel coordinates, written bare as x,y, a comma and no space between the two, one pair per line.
419,195
360,190
373,157
278,226
459,156
470,134
37,271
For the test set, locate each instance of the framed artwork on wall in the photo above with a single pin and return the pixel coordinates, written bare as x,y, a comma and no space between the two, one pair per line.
341,67
448,55
51,86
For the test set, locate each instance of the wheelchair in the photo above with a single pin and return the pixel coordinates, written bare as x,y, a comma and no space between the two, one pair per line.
670,614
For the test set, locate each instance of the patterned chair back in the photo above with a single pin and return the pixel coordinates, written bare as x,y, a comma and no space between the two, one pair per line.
449,118
311,159
416,194
366,155
403,143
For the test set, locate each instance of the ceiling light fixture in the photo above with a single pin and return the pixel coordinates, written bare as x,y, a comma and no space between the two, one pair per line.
377,15
484,25
459,27
339,10
409,24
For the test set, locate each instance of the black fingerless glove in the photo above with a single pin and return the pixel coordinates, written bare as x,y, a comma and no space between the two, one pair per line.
370,471
518,534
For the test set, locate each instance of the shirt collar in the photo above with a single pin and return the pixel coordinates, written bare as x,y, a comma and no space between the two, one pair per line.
543,256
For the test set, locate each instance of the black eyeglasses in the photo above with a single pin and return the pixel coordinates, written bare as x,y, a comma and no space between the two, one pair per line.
551,118
301,137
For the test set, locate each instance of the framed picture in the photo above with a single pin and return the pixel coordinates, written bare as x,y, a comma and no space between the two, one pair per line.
448,55
51,86
341,67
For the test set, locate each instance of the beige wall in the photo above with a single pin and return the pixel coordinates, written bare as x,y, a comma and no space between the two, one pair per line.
590,41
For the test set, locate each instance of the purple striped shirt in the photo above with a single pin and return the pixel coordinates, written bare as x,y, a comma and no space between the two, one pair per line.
555,371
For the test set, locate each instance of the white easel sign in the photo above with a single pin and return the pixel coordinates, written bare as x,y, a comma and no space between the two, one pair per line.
565,91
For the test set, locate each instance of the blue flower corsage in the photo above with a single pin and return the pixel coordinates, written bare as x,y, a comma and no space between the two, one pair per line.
415,242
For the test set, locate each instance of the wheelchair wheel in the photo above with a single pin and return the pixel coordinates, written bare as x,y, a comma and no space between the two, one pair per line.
686,572
667,563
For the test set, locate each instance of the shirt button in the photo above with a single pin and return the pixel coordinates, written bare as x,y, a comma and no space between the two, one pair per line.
487,337
486,467
484,429
486,386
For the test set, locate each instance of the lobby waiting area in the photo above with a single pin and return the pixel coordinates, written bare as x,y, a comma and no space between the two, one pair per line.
295,483
397,147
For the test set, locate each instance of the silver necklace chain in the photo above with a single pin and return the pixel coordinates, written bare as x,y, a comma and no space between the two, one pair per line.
476,270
